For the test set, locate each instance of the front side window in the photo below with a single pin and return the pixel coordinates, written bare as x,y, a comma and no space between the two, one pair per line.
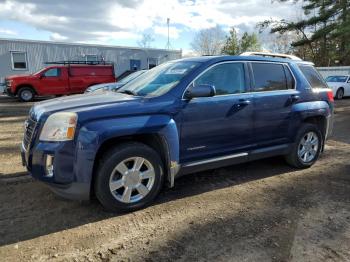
269,77
53,72
312,76
333,79
19,60
227,78
160,79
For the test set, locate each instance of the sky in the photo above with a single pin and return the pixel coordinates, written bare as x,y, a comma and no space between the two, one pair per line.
123,22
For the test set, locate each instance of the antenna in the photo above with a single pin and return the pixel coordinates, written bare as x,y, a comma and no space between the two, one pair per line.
168,45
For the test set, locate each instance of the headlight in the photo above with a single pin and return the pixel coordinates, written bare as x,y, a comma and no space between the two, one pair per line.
8,82
59,127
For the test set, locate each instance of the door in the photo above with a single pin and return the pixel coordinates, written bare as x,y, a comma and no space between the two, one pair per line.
274,94
53,82
135,64
219,125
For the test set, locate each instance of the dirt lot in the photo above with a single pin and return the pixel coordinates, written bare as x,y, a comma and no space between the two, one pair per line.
260,211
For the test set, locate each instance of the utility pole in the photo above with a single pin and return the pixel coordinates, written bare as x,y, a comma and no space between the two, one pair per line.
168,45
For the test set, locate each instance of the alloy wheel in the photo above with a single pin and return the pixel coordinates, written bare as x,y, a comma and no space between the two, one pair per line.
308,147
132,179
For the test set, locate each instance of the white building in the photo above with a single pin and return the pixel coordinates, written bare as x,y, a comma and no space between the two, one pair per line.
29,56
334,70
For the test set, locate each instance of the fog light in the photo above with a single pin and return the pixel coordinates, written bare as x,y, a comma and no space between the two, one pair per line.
49,166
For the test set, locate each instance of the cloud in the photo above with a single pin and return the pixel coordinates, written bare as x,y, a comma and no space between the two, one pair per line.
103,20
8,32
163,30
57,37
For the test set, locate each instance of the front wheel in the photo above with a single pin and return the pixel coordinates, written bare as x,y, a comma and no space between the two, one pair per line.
129,177
307,147
26,94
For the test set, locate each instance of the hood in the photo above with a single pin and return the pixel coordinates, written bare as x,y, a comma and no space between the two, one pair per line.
80,103
18,77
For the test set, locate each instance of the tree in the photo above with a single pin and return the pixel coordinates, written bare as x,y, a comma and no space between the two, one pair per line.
324,31
249,43
231,46
209,41
281,43
235,46
145,41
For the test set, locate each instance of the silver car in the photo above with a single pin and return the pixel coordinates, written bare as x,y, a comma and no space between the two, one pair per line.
115,85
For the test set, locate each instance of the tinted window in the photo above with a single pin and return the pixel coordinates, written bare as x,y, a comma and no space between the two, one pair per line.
269,77
52,72
290,79
312,76
227,78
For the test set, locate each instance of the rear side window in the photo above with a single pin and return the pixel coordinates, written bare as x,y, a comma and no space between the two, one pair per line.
312,76
271,77
227,78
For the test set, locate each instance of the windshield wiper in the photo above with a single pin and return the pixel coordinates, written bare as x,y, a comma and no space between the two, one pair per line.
128,92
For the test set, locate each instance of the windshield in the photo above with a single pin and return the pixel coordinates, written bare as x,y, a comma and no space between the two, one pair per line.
131,77
159,79
40,71
336,79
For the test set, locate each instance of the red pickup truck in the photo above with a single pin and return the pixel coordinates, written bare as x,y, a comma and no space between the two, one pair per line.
58,80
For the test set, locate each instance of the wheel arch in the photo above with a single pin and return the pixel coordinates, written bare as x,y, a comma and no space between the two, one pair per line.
25,85
154,140
321,122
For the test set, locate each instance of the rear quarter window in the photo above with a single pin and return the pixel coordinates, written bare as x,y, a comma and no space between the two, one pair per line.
271,77
312,76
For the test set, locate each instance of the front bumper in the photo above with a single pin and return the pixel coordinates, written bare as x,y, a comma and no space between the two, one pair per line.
66,181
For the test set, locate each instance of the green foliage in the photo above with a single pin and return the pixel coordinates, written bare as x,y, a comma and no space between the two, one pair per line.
235,46
324,33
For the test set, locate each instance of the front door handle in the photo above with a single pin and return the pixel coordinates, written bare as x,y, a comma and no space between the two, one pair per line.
243,102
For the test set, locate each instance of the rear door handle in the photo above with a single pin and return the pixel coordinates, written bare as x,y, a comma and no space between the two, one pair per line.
294,98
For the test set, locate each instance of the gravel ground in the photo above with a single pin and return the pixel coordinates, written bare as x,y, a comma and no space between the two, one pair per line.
259,211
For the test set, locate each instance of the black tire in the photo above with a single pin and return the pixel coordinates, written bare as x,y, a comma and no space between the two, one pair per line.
26,94
109,162
340,93
293,158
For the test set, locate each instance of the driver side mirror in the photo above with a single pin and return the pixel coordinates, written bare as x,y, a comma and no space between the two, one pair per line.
200,91
41,76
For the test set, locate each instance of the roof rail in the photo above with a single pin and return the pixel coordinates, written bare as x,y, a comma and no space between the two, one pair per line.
277,55
80,63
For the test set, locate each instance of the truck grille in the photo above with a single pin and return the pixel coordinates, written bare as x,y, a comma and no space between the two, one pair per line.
29,127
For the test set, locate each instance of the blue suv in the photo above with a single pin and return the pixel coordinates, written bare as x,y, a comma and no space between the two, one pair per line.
180,117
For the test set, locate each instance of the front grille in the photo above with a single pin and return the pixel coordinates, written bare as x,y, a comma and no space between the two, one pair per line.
29,126
7,83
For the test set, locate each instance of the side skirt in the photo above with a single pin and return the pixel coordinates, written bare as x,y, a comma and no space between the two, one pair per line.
227,160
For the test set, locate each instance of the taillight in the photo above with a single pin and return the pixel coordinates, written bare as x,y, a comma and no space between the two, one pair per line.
330,96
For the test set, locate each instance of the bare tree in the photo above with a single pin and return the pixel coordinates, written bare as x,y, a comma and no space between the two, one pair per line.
209,41
281,43
145,41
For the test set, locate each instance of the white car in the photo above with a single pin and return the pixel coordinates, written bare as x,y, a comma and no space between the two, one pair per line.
340,85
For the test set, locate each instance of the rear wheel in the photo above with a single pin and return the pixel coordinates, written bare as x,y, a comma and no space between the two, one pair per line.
307,147
26,94
129,177
340,93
